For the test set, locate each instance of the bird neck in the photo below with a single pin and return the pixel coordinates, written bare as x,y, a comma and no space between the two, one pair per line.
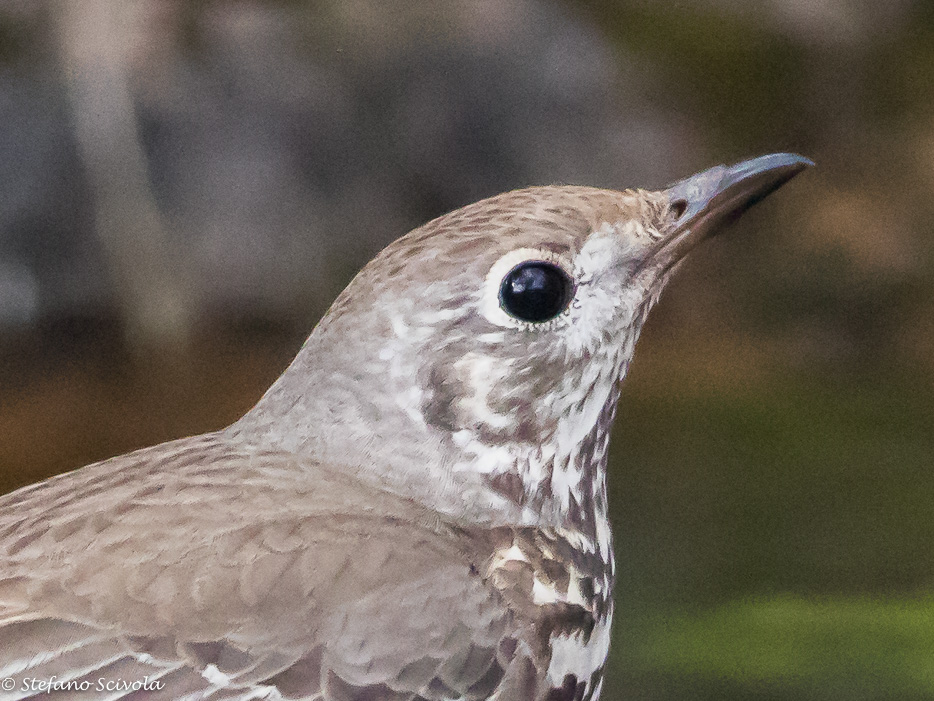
562,486
379,435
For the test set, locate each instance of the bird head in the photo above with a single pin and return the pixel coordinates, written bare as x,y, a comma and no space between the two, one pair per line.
476,360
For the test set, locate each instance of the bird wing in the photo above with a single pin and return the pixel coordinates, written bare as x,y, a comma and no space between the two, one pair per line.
207,570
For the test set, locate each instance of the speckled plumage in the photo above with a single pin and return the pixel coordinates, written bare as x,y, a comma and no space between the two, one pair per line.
415,511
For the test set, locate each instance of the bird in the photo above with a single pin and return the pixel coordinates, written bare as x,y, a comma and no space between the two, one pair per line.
416,510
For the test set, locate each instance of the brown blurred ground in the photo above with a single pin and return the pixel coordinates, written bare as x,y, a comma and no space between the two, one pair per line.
61,411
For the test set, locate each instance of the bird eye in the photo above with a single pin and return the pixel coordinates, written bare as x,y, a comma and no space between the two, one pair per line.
535,291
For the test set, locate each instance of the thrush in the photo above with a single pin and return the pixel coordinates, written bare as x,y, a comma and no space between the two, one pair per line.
415,510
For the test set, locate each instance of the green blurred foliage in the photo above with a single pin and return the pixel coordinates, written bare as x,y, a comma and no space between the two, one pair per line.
808,487
789,647
746,81
726,503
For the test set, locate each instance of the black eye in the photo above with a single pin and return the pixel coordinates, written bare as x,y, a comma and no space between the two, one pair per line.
535,291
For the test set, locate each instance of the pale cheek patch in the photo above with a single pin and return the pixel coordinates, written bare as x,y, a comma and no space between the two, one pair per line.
603,302
482,374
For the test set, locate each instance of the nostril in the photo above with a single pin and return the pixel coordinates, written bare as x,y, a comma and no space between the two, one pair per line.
678,208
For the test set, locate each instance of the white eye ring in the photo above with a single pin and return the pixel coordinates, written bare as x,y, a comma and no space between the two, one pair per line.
490,304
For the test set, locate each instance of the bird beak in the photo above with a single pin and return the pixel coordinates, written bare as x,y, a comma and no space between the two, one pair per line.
707,202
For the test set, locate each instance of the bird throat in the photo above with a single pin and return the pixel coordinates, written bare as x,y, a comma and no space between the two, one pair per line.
560,485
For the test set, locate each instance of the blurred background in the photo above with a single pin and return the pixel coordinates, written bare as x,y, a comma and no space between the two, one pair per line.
185,186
